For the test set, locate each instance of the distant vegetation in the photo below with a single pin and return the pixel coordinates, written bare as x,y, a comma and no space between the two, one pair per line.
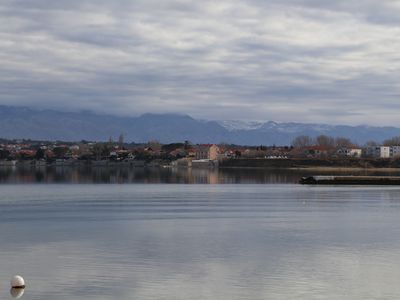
322,140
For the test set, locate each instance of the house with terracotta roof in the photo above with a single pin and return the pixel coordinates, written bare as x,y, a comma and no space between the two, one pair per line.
208,151
316,151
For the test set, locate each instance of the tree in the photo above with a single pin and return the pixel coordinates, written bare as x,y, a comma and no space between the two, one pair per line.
394,141
371,144
302,141
171,147
60,152
101,150
121,140
342,142
39,154
325,141
105,150
4,154
154,144
187,144
97,150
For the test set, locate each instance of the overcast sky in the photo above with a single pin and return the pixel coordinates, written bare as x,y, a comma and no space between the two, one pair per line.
285,60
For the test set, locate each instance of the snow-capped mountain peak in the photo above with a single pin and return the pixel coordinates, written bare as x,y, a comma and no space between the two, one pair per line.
233,125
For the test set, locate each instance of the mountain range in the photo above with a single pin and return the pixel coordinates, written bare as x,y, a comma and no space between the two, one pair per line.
27,123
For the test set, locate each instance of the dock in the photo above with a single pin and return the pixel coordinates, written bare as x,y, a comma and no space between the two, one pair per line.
351,180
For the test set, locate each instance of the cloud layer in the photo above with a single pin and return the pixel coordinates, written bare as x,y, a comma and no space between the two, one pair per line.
283,60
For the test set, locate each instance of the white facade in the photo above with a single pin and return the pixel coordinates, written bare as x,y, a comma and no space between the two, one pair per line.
354,152
384,152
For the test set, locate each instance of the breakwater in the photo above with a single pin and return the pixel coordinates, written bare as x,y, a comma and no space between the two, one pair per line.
363,163
351,180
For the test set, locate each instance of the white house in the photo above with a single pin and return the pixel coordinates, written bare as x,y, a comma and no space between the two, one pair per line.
355,152
350,152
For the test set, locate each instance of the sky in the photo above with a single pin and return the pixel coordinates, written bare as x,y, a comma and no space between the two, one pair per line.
334,62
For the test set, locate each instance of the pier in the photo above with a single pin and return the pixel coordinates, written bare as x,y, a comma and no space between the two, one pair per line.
351,180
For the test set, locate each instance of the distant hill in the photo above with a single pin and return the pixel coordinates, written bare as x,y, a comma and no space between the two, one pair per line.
21,122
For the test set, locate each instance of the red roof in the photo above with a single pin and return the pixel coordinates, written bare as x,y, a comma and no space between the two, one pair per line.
317,148
27,152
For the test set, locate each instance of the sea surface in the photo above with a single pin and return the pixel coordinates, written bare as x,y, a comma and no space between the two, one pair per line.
98,236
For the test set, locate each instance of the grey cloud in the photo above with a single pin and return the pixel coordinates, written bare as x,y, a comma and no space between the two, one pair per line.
281,60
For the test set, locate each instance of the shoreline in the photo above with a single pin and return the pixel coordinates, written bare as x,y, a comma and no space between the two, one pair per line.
267,168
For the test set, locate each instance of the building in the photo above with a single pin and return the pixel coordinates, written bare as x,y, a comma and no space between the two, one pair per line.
350,152
207,152
395,151
385,152
379,151
354,152
316,151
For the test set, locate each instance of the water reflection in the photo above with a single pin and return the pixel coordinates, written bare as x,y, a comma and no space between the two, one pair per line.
160,175
17,293
240,242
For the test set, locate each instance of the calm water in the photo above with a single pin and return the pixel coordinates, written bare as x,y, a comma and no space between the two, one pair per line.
160,175
175,241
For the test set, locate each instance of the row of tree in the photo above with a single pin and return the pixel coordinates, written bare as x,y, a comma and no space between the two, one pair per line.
322,140
394,141
338,142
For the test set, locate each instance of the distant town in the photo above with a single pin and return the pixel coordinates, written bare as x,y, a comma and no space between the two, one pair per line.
304,150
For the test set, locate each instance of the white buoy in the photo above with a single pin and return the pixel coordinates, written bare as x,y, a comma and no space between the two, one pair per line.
17,282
